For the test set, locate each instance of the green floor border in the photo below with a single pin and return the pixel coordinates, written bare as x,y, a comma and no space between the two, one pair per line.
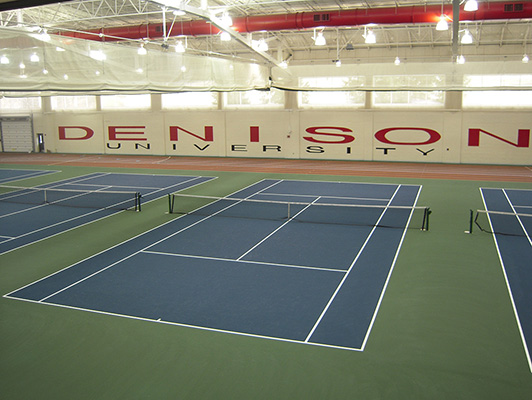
445,329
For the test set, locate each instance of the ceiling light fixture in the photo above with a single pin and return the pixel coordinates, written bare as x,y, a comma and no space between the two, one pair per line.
97,55
525,59
180,47
369,36
142,50
4,60
226,19
225,36
471,5
319,39
442,24
467,38
397,60
34,58
44,36
460,59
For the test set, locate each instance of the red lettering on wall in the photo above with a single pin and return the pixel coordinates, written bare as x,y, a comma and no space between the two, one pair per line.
316,130
114,131
523,137
253,134
87,132
433,136
208,135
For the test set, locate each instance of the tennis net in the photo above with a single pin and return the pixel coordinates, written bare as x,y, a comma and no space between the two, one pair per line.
500,222
100,199
311,212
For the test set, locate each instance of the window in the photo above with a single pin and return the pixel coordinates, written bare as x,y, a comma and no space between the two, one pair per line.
409,98
486,81
73,103
20,104
126,102
273,98
332,98
507,98
497,99
172,101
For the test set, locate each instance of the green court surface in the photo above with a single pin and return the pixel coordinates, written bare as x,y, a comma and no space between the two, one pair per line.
445,329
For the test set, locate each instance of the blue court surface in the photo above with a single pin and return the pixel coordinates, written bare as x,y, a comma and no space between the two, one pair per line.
10,175
29,215
316,276
512,234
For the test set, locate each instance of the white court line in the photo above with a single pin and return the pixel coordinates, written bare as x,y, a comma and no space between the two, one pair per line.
328,197
276,230
517,216
97,254
138,251
350,269
86,214
33,175
390,273
203,328
244,261
116,186
523,339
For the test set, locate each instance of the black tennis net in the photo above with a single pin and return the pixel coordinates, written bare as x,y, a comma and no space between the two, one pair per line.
97,199
314,212
500,222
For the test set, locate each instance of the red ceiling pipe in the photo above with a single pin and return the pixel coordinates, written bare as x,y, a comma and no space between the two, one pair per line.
308,20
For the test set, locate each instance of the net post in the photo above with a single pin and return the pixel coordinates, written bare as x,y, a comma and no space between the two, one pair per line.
425,224
137,201
171,202
289,216
471,221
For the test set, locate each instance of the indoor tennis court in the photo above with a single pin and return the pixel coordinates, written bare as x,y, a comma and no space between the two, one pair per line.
35,213
245,265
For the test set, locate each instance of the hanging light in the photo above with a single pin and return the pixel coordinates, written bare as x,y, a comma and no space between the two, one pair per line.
369,36
225,37
263,45
44,36
471,5
4,60
467,38
338,63
142,50
180,47
397,60
525,59
442,24
460,59
97,55
319,39
226,19
283,64
34,58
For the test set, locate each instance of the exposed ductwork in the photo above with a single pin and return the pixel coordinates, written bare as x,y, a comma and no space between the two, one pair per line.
307,20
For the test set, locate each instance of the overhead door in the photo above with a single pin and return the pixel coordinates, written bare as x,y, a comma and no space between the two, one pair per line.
17,134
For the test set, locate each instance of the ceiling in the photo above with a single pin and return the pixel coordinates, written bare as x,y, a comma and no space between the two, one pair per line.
104,20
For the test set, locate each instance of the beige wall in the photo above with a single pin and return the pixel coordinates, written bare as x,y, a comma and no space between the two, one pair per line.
415,136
